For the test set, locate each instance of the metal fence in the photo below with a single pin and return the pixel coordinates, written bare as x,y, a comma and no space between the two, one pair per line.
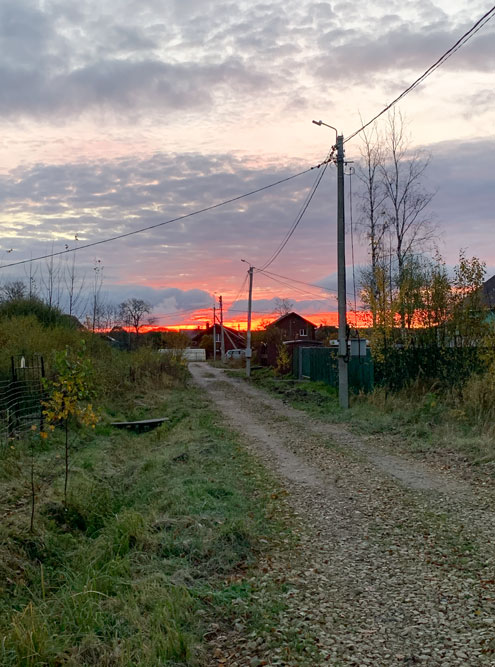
320,364
20,398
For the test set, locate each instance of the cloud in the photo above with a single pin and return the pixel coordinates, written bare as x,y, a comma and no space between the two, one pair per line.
354,56
129,60
44,206
123,86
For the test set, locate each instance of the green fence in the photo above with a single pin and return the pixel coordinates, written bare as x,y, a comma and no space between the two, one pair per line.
320,364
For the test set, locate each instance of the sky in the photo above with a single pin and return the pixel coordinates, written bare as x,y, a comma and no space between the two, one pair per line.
121,114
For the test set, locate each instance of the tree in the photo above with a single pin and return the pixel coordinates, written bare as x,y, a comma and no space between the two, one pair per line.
394,217
206,343
69,397
133,312
372,218
73,283
283,306
175,340
468,312
405,199
96,305
50,281
13,291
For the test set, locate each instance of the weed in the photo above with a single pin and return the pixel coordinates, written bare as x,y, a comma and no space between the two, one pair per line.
154,524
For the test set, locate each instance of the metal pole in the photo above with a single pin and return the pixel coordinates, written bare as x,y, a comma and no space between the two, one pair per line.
214,334
222,336
248,334
343,352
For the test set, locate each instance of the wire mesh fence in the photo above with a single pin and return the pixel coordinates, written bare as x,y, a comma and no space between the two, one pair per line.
20,398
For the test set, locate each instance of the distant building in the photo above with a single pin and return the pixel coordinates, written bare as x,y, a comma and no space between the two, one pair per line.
293,330
234,339
294,327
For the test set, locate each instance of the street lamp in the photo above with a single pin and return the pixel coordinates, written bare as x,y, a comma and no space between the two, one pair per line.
341,296
320,123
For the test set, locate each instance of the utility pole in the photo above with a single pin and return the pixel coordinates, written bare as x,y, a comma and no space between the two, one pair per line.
222,336
214,334
341,296
248,333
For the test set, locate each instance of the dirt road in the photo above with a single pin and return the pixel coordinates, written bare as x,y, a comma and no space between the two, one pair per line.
396,563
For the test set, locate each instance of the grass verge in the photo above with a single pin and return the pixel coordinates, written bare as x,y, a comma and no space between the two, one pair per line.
155,550
415,420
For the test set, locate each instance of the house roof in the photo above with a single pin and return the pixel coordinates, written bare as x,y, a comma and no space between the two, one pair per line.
291,314
488,291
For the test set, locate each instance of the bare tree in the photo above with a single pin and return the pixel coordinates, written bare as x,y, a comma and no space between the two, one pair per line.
74,283
394,211
405,198
50,281
283,306
133,313
372,218
13,291
96,305
109,316
31,272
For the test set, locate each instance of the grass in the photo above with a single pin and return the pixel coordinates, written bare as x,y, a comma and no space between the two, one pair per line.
419,420
160,533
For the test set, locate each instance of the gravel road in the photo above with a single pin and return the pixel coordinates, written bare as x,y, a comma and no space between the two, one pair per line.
396,561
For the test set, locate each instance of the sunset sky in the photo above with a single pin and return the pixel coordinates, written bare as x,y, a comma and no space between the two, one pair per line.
120,114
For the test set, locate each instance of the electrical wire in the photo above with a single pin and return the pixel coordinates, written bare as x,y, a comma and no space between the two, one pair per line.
327,289
301,213
166,222
241,289
306,293
438,63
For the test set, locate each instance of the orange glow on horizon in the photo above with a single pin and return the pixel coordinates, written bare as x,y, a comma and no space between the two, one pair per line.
198,322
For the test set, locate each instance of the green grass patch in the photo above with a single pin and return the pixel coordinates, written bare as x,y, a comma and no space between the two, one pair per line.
157,539
417,419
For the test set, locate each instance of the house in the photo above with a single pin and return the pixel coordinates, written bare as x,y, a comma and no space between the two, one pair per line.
234,339
291,329
488,293
294,327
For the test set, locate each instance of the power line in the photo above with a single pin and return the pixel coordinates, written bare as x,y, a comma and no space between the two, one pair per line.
166,222
300,215
291,286
293,280
460,42
241,287
327,289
